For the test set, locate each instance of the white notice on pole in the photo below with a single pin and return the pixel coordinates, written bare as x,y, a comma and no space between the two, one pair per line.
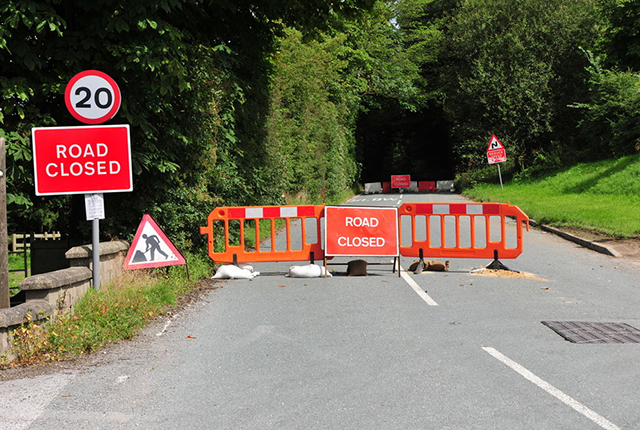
94,204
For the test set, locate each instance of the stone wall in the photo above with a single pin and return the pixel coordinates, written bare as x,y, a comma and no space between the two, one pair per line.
112,255
50,293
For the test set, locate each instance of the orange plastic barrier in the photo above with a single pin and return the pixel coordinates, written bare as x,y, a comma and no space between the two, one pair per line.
227,229
434,230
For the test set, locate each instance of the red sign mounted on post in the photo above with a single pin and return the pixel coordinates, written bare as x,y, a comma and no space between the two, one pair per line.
82,160
361,231
495,151
400,181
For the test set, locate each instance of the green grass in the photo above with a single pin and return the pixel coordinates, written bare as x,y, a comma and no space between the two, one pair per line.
16,262
115,312
602,196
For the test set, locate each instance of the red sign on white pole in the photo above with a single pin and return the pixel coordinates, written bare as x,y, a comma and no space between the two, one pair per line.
82,160
400,181
495,151
361,231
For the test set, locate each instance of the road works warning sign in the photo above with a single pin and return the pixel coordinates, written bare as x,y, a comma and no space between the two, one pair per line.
361,231
151,248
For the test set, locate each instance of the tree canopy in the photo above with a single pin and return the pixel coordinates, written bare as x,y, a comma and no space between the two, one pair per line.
237,102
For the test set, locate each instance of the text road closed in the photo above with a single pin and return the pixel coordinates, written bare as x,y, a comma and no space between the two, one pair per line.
359,231
82,160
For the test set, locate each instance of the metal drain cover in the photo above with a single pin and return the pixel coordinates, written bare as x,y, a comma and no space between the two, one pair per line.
591,332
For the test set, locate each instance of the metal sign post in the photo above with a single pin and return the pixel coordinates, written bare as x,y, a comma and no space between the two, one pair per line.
95,245
94,205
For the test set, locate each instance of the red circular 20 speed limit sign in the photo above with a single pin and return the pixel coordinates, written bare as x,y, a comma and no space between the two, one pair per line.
92,97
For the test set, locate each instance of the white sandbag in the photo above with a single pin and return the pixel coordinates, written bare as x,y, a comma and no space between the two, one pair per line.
245,266
234,272
308,271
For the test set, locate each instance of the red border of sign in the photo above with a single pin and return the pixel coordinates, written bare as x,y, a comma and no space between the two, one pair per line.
117,98
80,191
328,209
134,244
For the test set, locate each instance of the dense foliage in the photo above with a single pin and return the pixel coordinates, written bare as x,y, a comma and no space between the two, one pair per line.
194,78
237,102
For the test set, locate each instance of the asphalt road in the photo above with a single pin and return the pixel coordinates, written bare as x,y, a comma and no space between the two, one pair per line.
449,350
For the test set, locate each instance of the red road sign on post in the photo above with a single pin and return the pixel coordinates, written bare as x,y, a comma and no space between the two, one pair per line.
82,160
495,151
360,231
400,181
92,97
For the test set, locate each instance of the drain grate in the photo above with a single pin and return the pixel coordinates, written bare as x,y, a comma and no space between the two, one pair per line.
591,332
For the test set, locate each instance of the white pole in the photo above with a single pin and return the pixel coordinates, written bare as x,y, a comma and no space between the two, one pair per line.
500,175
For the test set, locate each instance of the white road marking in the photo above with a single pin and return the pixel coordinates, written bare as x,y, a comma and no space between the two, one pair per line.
569,401
164,329
423,295
122,379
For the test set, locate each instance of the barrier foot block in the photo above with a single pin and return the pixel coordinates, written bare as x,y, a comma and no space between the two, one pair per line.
497,265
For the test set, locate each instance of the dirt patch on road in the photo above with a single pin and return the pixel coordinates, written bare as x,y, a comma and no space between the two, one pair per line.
506,274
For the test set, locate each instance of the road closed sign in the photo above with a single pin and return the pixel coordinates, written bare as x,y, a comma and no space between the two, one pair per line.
400,181
82,160
361,231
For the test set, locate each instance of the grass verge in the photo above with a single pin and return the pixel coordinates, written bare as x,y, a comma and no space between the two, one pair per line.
117,311
602,196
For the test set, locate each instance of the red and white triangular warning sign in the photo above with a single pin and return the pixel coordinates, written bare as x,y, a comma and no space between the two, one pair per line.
151,248
494,143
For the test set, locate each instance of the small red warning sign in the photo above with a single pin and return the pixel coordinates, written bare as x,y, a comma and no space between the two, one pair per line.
151,248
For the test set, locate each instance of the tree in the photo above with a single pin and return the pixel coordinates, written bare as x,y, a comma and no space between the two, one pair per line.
621,42
194,78
512,68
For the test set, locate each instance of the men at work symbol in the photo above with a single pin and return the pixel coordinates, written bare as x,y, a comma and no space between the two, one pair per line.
153,245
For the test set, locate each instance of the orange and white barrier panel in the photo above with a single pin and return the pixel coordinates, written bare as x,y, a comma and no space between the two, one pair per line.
235,233
460,230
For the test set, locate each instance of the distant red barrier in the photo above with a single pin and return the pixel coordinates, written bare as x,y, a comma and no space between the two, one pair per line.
427,186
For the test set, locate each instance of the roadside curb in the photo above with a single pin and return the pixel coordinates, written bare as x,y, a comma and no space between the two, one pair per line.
594,246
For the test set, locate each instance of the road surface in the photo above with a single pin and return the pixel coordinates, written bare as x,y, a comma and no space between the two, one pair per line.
439,350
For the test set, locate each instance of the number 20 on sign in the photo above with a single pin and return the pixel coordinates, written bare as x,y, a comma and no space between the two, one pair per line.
92,97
